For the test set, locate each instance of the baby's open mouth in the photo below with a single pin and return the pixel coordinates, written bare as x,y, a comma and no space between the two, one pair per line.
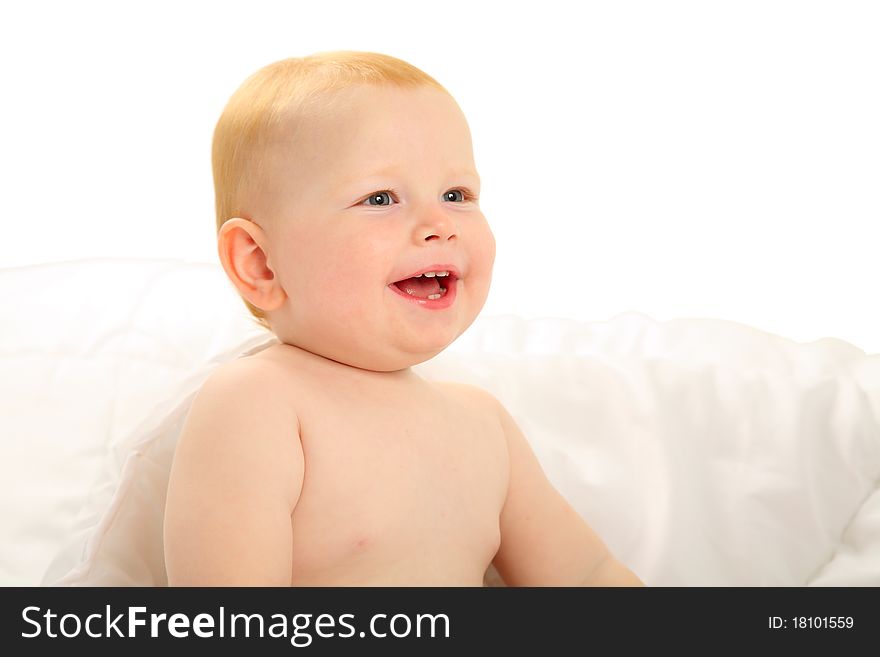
429,285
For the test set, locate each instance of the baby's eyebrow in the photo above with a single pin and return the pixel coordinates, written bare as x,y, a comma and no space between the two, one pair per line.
468,174
392,171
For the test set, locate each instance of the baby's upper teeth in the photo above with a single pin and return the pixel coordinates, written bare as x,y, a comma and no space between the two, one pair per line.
432,274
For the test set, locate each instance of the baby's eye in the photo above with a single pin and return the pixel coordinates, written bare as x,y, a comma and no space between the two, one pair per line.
378,196
453,195
461,194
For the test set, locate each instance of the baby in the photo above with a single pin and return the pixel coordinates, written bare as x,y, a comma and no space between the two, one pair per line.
349,222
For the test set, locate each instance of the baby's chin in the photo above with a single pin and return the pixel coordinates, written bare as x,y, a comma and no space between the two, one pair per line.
376,346
389,359
373,358
388,366
379,363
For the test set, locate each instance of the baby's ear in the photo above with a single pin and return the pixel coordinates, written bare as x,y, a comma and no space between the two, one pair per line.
241,245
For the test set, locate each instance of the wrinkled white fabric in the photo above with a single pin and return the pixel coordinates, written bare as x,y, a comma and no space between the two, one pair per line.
705,452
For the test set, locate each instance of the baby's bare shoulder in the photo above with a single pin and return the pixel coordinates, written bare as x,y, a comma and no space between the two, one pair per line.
264,379
262,365
467,389
244,406
474,396
242,418
482,404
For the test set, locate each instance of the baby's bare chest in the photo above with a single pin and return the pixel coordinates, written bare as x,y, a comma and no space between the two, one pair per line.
403,484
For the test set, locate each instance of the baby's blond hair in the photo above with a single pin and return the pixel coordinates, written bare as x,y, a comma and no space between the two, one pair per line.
288,89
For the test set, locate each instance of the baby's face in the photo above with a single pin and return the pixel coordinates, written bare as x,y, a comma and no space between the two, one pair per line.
383,188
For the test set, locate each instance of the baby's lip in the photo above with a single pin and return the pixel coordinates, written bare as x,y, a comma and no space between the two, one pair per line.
452,269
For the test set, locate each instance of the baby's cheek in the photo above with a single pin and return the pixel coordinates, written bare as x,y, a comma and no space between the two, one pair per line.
350,294
483,255
340,294
490,251
355,265
353,294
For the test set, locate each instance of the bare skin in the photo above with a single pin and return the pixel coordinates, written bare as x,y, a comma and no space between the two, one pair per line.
325,460
385,471
374,480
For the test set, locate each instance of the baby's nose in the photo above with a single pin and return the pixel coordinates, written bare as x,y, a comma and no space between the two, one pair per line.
438,226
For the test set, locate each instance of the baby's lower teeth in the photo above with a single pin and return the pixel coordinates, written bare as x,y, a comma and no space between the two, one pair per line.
437,296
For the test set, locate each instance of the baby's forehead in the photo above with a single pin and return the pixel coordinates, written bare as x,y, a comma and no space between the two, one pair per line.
362,102
320,119
367,135
367,123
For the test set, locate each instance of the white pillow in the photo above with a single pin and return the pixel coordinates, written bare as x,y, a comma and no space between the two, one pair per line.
704,452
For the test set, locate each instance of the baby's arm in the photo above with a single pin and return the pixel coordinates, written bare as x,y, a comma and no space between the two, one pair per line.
236,477
544,542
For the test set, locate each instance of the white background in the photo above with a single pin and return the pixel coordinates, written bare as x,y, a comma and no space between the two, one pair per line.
681,159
